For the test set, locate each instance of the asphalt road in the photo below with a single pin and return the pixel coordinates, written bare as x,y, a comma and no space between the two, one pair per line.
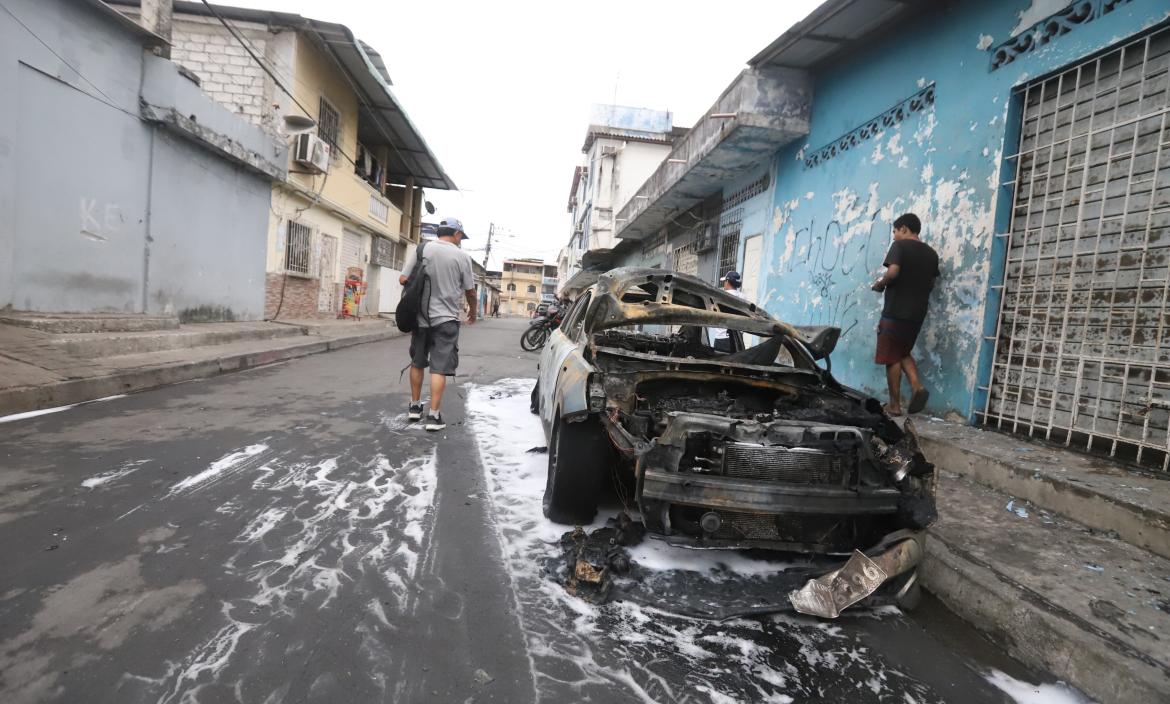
283,535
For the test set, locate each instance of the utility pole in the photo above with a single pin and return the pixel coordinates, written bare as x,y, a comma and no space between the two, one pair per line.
488,250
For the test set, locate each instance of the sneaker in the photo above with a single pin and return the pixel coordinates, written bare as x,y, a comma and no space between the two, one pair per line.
414,411
435,421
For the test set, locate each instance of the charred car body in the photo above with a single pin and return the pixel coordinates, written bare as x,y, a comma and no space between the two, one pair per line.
758,447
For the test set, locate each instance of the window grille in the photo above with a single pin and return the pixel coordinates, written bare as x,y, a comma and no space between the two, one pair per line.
686,259
730,224
328,123
1082,345
298,248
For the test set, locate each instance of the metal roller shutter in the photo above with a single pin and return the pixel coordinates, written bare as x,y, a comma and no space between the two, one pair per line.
1081,350
351,251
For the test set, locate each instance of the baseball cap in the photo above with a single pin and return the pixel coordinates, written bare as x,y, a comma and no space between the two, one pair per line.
733,277
453,224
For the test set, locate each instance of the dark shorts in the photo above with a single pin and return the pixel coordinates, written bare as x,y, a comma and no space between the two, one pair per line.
436,347
895,339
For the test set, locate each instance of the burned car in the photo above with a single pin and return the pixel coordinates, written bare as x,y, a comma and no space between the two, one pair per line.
758,447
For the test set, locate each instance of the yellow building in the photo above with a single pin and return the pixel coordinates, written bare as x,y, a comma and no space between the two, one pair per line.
522,286
357,211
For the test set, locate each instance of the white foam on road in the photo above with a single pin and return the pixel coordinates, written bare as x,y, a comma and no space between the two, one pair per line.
1026,693
228,464
57,409
320,529
127,468
629,651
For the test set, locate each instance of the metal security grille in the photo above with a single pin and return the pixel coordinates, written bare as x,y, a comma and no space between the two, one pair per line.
730,224
297,249
328,121
686,259
327,266
1081,350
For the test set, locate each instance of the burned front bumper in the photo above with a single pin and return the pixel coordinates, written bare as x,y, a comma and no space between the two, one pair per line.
753,495
713,481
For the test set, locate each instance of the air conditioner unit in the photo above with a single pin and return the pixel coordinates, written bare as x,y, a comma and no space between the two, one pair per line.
312,152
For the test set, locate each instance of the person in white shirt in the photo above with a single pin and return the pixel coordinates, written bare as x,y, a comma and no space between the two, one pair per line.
720,337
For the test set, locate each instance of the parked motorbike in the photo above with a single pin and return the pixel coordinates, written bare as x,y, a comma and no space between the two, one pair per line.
539,330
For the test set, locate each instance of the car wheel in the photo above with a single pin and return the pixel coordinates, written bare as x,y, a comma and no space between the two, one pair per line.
578,454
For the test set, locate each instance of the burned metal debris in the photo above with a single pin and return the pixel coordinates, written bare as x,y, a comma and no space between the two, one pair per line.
593,559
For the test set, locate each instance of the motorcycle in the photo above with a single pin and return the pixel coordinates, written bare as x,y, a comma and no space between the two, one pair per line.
539,330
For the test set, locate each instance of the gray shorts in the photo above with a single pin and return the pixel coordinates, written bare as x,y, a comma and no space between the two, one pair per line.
436,347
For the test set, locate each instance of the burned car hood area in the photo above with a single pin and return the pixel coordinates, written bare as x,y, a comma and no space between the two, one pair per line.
753,446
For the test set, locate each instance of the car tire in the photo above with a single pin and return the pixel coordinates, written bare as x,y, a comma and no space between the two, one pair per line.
577,455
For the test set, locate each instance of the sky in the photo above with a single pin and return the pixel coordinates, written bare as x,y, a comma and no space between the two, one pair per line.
501,91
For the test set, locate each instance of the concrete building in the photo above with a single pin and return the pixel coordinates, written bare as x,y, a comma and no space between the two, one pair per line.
520,286
487,289
549,284
123,188
356,213
1030,137
623,146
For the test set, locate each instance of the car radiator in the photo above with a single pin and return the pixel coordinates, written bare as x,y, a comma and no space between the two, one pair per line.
782,464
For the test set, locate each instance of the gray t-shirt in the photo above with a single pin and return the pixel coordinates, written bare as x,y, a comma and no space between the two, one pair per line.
449,271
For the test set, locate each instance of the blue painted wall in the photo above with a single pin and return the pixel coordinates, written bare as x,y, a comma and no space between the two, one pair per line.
830,224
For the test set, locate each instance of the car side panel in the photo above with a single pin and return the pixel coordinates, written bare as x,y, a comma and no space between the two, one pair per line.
564,377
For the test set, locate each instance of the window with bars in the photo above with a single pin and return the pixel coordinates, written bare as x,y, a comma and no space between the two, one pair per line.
1082,354
298,248
730,224
328,124
686,259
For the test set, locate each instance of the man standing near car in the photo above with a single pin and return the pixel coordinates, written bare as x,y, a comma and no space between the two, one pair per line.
911,268
733,284
435,342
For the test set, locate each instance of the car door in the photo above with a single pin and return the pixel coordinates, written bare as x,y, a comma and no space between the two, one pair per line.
563,352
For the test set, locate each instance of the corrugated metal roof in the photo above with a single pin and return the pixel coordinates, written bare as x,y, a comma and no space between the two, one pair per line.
831,28
410,155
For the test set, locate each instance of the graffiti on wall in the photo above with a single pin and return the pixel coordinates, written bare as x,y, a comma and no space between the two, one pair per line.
831,260
99,221
824,252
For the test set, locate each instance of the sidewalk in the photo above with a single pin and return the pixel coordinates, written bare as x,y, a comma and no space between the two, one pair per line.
1062,558
42,369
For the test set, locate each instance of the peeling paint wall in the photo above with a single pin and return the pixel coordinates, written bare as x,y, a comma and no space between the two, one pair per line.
830,224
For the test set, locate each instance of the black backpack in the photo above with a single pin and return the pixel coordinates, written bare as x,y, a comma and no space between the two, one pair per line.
406,314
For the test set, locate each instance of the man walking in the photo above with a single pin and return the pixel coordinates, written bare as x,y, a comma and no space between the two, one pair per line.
435,342
911,268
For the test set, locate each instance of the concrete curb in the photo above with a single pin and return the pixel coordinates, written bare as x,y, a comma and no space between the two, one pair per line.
1137,525
66,393
1040,633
